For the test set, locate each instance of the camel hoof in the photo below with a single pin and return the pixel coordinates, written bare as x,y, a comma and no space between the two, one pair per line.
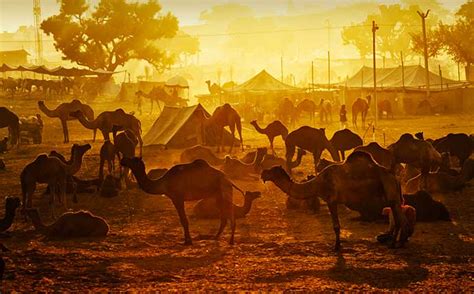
337,247
188,242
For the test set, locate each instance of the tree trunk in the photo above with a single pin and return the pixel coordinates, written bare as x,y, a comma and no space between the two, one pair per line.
469,72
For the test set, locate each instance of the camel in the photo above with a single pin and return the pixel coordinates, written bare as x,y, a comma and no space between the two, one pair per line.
385,108
345,140
381,155
224,116
249,156
63,112
234,168
156,173
79,224
214,89
467,170
113,121
274,129
107,154
325,110
427,209
125,144
309,139
52,171
270,161
308,106
200,152
158,94
187,182
10,120
360,106
410,215
286,112
359,183
458,145
11,205
438,182
418,153
207,208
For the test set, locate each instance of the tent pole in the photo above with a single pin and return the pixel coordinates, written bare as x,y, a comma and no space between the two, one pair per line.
403,70
374,29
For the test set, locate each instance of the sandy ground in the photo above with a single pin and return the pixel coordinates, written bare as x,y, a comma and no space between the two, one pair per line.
275,249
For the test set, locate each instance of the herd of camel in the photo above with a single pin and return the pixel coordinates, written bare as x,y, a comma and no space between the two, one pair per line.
396,181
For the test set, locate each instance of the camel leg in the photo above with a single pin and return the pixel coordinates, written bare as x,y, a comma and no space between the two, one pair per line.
221,139
65,131
343,154
335,224
271,144
316,157
28,195
179,205
397,217
290,151
101,170
110,167
232,131
94,135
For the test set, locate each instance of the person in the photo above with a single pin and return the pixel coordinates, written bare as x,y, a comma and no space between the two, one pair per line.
342,116
138,100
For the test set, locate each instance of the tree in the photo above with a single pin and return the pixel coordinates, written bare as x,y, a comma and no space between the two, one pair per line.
223,14
114,33
181,45
457,39
433,41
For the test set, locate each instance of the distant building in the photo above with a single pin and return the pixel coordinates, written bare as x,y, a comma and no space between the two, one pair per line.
14,58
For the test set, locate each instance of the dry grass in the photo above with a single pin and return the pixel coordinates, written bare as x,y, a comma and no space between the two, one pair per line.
275,249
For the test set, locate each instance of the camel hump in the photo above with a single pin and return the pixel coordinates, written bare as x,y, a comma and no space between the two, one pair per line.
406,137
200,163
360,155
42,157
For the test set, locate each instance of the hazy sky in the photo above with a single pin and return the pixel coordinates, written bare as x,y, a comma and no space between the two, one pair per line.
14,13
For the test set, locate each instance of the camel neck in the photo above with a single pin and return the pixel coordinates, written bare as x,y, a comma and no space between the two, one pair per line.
297,162
245,208
47,111
7,221
146,184
87,123
258,128
75,164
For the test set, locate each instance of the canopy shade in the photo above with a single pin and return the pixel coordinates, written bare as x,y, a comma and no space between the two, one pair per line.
56,71
413,76
263,82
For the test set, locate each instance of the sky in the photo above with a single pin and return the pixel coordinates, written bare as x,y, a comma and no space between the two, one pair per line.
14,13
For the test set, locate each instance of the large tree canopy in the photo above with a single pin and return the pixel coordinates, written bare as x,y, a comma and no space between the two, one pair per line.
115,32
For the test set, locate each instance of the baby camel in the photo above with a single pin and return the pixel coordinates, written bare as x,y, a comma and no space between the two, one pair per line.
79,224
187,182
207,208
274,129
358,183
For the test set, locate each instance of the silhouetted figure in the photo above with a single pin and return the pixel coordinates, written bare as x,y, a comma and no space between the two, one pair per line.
343,116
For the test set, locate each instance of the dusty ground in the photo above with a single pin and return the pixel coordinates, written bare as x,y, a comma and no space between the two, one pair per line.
275,249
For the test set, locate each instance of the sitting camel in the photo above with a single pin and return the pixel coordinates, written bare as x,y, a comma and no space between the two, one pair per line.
11,205
270,161
360,106
222,117
309,139
112,121
381,155
234,168
10,120
435,182
344,140
79,224
458,145
427,209
188,182
207,208
359,183
200,152
64,110
274,129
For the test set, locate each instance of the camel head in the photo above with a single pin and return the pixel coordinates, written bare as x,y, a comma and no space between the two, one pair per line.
81,149
253,122
420,136
139,93
252,195
41,103
274,174
134,163
208,82
12,203
76,114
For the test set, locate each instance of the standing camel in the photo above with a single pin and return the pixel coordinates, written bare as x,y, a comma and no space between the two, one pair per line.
224,116
158,94
112,122
360,106
360,184
344,140
274,129
10,120
325,110
214,89
187,182
286,112
64,110
309,139
308,106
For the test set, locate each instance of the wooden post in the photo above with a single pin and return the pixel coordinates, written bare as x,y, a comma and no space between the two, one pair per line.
374,29
403,70
440,77
425,50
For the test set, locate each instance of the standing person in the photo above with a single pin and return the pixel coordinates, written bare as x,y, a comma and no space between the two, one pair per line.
343,116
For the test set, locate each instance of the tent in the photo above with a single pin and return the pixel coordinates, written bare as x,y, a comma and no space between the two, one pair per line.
177,82
263,82
182,127
56,71
409,77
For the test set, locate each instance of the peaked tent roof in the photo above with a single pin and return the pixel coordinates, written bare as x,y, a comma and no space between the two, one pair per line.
392,78
180,128
263,82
